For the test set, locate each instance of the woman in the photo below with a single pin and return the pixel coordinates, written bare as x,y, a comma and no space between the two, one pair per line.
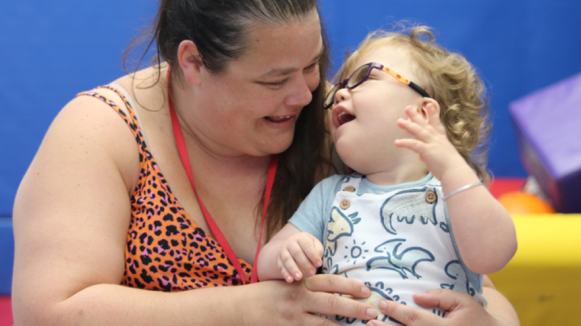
97,219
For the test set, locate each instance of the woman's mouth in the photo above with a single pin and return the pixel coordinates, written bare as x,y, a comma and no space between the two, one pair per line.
279,118
281,121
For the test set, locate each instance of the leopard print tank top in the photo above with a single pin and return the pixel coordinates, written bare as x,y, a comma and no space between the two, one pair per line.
166,250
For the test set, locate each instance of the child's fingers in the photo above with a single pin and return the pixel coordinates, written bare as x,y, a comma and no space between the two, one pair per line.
287,261
300,258
320,250
419,131
297,250
413,144
313,251
415,116
285,274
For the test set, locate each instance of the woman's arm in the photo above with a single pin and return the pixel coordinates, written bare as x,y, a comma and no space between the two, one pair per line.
71,217
498,305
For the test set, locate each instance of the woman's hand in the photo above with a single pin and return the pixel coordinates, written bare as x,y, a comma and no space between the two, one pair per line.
281,303
462,310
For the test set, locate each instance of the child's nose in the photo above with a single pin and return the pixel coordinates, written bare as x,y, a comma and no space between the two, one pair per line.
341,95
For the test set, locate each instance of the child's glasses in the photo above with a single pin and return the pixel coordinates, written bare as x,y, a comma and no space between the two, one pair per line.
361,75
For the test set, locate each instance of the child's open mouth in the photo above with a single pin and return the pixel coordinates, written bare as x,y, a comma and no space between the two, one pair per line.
344,117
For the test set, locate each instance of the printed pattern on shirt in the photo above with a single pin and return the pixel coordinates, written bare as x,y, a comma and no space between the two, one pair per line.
397,243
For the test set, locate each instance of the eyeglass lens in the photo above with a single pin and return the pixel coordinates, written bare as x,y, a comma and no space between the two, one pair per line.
331,96
358,77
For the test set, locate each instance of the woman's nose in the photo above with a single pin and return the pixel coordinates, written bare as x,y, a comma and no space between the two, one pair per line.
301,95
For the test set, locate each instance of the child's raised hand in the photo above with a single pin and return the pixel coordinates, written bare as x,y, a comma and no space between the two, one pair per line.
431,142
301,251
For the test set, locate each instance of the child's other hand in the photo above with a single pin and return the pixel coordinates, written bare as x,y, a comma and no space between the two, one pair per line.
300,252
431,142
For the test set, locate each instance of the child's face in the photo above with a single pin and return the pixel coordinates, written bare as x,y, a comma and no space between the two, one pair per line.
366,143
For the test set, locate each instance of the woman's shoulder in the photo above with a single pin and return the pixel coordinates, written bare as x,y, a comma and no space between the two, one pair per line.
128,96
89,125
145,78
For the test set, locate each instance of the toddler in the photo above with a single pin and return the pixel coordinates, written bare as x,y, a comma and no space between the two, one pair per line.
411,119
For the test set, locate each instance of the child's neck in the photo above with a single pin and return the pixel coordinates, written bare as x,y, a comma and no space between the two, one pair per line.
402,174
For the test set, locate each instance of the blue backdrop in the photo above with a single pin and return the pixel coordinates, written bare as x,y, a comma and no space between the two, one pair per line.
52,50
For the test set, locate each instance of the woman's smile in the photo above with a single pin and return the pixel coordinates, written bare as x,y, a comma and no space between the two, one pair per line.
281,122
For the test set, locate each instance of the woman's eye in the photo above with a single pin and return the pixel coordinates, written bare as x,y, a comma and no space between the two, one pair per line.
312,67
275,84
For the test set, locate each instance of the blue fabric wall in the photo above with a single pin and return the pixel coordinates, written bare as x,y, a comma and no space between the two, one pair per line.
52,50
6,255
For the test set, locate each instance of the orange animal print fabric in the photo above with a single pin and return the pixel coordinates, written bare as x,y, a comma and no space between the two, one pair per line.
166,250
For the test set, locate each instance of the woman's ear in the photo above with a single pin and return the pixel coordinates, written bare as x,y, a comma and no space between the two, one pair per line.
190,61
429,102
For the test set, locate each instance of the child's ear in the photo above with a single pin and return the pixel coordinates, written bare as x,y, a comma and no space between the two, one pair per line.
190,61
433,104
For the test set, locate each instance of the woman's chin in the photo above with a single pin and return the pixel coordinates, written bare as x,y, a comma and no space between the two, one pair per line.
276,146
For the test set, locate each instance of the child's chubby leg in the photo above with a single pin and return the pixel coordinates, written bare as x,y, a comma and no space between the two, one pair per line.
289,254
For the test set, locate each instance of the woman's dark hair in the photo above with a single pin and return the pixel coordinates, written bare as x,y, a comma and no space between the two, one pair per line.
219,28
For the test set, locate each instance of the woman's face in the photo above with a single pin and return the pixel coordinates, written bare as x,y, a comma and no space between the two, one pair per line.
252,107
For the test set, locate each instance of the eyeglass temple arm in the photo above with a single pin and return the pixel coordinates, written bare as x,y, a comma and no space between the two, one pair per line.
407,82
418,89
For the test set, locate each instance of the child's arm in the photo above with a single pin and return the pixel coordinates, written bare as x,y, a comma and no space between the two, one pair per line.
289,252
483,229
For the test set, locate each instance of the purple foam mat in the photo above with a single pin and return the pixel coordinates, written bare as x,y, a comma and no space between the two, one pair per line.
548,131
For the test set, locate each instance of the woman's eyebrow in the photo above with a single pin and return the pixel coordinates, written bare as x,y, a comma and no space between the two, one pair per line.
280,72
287,71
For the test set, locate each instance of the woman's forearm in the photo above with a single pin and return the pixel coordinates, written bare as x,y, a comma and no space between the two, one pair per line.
108,304
498,306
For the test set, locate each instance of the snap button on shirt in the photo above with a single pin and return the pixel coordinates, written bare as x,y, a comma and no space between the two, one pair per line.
430,197
349,188
345,203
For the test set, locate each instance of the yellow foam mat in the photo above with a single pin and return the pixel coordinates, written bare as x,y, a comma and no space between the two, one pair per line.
543,280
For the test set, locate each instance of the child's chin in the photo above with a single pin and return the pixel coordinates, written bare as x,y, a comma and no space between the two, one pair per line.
353,163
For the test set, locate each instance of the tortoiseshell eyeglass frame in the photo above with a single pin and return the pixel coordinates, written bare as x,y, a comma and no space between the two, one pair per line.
351,82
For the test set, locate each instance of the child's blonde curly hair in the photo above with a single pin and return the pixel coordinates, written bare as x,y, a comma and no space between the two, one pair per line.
450,80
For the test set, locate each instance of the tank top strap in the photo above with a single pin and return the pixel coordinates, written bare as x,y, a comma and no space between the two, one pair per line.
130,117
